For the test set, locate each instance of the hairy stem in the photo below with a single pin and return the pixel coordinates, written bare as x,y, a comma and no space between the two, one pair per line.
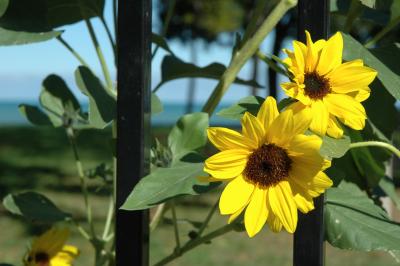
109,219
249,48
170,12
73,52
376,144
191,244
391,25
82,177
208,219
157,217
100,55
176,229
109,35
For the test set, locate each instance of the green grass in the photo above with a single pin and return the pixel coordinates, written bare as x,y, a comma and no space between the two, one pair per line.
41,160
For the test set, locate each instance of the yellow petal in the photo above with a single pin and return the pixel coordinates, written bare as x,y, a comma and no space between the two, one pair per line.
252,128
351,112
298,48
360,95
226,164
315,186
347,78
293,90
283,205
51,241
235,195
311,55
304,152
236,214
274,223
282,129
331,54
268,112
256,213
320,115
303,200
227,139
65,256
334,129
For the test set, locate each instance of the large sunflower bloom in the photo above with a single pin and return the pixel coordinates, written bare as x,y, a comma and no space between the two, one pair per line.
272,168
49,249
331,89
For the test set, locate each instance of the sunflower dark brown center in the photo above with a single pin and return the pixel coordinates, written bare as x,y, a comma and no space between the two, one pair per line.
316,86
267,166
42,259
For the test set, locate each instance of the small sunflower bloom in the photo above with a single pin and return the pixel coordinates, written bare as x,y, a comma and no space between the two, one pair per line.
331,89
49,249
273,169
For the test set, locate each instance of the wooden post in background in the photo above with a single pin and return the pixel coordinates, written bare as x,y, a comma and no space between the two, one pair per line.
134,73
308,246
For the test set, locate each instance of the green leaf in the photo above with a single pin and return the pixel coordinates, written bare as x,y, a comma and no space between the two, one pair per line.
10,37
354,222
394,10
102,106
188,134
3,6
355,50
368,3
383,119
45,15
334,148
387,186
173,68
166,183
161,42
59,102
249,104
34,115
34,207
156,104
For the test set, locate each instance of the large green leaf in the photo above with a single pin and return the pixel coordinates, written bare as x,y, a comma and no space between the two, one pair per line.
156,104
236,111
173,68
102,106
34,207
354,222
34,115
355,50
10,37
188,134
161,42
59,102
334,148
166,183
45,15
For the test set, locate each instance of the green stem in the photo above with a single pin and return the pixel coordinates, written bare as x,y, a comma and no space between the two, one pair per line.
82,177
81,230
245,53
100,55
170,12
383,32
73,52
176,229
109,219
191,244
157,217
208,219
376,144
109,35
255,17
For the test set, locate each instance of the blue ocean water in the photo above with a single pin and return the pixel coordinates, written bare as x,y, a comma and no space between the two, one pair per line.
10,115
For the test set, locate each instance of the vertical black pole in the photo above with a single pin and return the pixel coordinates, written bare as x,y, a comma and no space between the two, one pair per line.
308,247
134,44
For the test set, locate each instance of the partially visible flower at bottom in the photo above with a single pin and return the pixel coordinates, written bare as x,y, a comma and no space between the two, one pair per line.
49,249
273,169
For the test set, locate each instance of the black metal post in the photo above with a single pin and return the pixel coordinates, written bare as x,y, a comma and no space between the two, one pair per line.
308,247
134,55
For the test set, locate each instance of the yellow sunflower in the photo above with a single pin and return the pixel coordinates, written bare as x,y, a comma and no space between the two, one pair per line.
49,249
331,89
273,169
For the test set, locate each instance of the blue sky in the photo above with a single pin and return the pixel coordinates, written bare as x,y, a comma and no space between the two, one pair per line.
22,68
